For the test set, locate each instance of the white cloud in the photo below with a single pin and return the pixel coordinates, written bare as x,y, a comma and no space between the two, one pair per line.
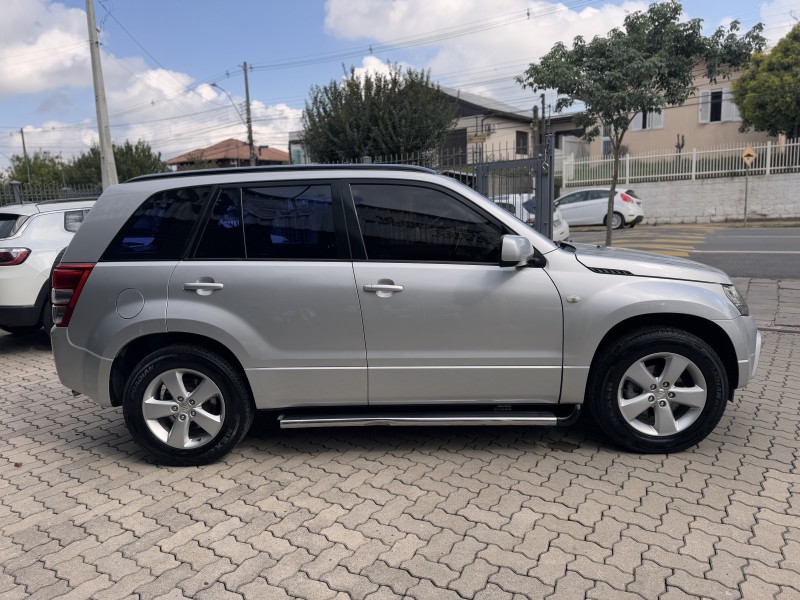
44,49
44,46
486,61
778,17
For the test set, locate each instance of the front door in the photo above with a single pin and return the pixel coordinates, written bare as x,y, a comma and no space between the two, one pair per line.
271,279
442,321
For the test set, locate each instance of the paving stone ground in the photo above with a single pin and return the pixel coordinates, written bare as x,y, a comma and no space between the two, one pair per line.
487,513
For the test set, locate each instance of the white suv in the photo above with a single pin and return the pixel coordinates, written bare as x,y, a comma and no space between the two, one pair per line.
32,237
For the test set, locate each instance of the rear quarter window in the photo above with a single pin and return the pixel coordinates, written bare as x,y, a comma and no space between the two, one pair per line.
160,228
74,218
10,224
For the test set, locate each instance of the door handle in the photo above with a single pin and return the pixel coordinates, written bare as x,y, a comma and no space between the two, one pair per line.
203,288
383,287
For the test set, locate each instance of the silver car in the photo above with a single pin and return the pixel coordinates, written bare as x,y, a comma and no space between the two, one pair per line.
356,295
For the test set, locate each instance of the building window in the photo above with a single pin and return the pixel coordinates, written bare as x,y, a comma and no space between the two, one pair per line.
607,146
522,142
647,121
715,109
717,106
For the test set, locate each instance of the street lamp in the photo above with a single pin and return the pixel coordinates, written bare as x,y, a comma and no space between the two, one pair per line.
246,123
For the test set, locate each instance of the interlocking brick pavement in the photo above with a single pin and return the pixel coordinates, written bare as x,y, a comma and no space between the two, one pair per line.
400,513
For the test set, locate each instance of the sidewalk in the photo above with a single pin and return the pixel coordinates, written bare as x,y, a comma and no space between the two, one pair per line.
775,304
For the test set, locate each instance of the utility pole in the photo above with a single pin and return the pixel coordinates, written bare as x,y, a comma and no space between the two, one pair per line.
247,114
543,128
25,154
108,168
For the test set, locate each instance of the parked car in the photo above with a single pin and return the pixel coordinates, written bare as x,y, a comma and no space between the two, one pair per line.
32,236
337,296
560,225
523,206
590,207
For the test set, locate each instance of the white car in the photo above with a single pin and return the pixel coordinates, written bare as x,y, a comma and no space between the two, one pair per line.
590,207
32,238
523,206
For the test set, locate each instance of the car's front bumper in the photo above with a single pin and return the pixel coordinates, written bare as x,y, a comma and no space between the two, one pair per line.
746,339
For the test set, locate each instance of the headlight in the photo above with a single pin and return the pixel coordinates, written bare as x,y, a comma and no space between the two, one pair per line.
736,298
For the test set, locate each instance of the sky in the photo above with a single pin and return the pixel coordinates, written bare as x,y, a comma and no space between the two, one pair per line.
159,58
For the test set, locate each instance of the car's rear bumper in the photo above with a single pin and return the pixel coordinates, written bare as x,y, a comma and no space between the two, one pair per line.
81,370
19,316
634,220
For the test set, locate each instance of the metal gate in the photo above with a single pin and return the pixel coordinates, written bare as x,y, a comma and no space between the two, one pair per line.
523,187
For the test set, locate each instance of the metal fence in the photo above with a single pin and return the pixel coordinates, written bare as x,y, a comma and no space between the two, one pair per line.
15,193
706,163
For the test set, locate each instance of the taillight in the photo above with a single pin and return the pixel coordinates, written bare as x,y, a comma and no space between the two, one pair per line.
625,197
13,256
68,281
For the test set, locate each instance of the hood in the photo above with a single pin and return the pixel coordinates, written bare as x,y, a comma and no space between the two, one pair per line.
647,264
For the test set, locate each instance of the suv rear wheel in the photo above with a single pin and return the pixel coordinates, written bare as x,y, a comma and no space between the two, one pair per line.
186,405
658,390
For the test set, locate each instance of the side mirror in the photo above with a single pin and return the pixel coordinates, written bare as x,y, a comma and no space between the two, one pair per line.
515,251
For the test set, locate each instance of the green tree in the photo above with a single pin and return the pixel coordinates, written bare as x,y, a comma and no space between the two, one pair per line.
45,169
768,92
647,65
376,115
132,160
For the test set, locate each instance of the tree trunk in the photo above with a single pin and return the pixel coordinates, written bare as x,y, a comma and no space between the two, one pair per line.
612,193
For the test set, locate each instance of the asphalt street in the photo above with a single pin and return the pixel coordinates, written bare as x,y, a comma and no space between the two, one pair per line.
767,252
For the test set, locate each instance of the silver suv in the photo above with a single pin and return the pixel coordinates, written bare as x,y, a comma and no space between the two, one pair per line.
384,295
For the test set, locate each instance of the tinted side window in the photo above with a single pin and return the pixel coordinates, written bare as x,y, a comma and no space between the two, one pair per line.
598,195
576,197
223,236
159,229
411,223
289,222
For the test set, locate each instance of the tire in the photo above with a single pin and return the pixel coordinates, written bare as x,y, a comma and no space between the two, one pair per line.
47,316
187,432
617,221
672,417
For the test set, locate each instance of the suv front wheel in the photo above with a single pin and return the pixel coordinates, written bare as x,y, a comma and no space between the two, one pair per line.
186,405
658,390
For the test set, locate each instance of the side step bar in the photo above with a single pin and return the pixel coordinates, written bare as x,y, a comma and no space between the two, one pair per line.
422,419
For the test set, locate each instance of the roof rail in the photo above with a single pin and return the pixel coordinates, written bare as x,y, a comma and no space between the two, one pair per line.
58,200
280,169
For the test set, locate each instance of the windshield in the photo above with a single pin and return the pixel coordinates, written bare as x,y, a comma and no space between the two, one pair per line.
10,224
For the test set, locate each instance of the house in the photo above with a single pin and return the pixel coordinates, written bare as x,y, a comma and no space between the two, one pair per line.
485,130
490,130
709,118
229,153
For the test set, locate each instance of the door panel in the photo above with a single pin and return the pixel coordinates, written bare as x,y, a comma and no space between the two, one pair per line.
272,281
295,326
570,207
442,321
461,333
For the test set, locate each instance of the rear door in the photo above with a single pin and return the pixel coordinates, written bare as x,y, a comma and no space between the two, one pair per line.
595,207
443,322
270,276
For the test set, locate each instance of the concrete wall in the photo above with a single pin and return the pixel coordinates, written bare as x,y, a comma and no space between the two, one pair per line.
720,199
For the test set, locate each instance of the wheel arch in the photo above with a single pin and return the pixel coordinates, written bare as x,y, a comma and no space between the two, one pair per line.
130,355
706,330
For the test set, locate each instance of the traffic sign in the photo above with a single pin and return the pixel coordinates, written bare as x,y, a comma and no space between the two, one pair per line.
749,155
